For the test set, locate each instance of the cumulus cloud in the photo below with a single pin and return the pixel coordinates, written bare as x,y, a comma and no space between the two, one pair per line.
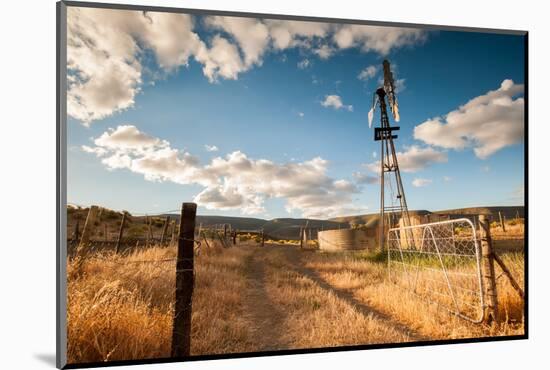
368,73
251,34
222,59
127,137
486,123
324,51
231,182
335,101
419,182
286,34
105,48
377,38
414,159
211,148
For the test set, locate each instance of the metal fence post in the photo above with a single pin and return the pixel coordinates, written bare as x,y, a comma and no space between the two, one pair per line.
181,331
488,270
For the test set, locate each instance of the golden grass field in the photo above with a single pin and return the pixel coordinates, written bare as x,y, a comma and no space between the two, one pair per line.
248,298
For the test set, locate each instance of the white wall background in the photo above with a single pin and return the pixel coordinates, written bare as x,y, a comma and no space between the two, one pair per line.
27,147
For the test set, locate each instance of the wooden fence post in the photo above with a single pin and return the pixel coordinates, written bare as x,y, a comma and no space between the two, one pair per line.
263,237
509,275
164,230
488,270
501,222
149,231
234,237
76,234
301,237
89,225
181,331
120,232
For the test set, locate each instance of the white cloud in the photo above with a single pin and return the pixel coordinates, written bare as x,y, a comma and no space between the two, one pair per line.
447,178
211,148
251,34
127,137
301,114
418,182
222,59
231,182
287,34
103,48
414,159
324,51
368,73
335,101
486,123
304,63
106,47
377,38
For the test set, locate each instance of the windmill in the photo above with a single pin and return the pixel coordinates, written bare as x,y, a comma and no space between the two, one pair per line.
392,195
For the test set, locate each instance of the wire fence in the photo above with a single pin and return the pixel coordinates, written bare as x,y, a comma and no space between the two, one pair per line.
440,263
103,230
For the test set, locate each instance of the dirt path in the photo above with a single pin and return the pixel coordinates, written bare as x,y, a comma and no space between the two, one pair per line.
267,319
297,256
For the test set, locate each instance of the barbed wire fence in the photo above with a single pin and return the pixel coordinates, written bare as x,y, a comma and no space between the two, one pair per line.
100,229
181,231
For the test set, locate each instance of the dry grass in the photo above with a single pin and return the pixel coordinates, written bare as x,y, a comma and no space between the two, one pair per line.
345,269
120,308
316,316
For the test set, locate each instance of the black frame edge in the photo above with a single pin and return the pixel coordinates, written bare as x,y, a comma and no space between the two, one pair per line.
167,9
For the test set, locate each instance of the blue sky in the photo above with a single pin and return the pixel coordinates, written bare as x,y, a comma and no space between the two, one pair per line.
298,153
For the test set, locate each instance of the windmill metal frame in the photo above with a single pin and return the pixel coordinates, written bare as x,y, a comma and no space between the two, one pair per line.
388,157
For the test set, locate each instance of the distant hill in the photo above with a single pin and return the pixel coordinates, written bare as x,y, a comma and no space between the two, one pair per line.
281,228
507,211
289,228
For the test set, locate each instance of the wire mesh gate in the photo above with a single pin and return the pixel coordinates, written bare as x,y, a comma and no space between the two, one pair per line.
441,263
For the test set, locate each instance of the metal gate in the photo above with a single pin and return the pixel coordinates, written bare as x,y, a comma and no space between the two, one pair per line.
441,263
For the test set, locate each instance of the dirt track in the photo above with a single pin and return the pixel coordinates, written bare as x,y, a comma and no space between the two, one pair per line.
267,318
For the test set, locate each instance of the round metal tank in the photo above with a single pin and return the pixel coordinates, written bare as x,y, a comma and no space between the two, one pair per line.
346,239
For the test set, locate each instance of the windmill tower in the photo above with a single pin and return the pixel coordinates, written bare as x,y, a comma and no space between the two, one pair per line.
393,204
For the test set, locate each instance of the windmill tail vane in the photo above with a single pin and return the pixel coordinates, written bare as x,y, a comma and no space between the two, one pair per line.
389,88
